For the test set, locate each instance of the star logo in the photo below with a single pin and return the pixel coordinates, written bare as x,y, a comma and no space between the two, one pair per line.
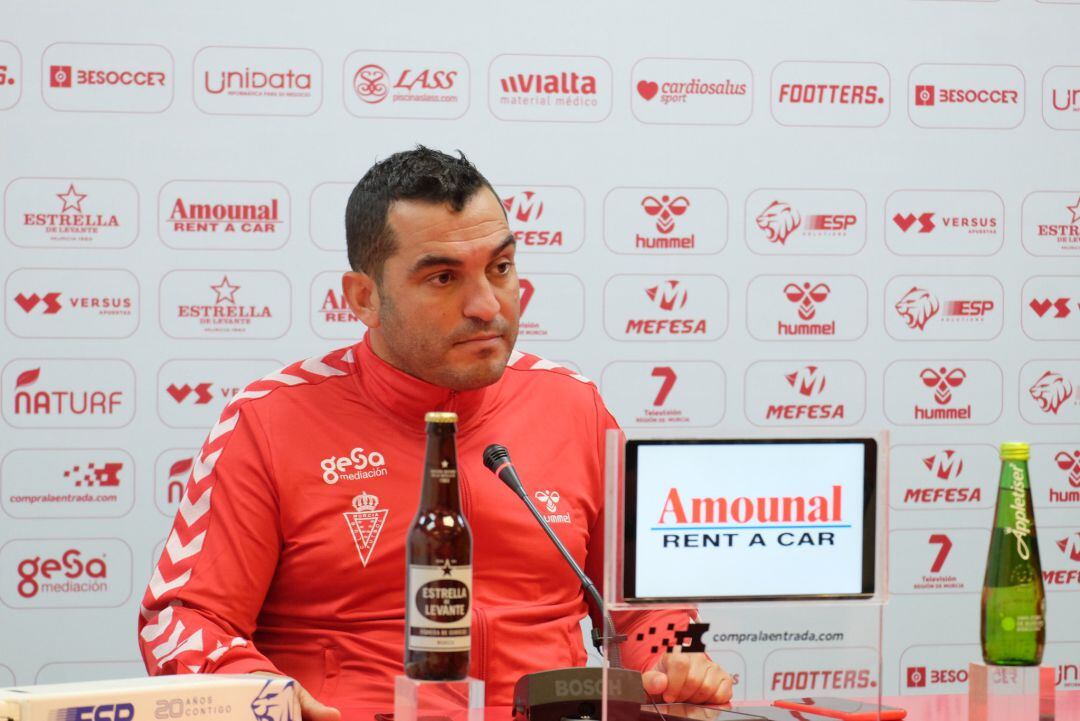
446,569
225,291
73,199
444,463
1075,210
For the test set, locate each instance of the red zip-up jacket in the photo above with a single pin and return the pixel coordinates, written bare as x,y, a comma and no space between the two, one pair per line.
287,553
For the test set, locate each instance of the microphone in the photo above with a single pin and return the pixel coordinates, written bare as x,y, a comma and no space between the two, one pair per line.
497,460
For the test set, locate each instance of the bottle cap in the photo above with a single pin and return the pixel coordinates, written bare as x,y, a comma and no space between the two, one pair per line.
1015,451
440,417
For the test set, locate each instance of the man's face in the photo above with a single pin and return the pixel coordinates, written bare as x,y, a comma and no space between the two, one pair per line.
446,309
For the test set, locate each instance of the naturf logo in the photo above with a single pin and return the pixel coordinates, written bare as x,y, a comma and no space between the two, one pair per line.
808,381
806,297
1070,546
665,210
223,215
1070,463
69,393
254,304
946,465
917,307
1042,305
365,522
101,77
1051,391
778,221
668,295
371,84
390,84
905,222
943,380
358,465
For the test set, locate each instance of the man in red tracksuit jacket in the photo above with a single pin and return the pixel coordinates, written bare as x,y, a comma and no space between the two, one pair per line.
287,554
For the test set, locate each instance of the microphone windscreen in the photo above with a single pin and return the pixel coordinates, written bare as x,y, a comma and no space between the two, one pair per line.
494,456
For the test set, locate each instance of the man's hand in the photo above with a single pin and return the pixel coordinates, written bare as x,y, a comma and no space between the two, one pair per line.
688,677
310,707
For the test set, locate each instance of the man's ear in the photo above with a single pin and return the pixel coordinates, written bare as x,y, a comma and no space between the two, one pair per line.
362,295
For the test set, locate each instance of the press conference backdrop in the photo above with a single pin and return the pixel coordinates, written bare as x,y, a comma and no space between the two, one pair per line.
739,218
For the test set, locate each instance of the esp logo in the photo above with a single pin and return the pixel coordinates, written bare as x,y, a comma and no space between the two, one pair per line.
102,712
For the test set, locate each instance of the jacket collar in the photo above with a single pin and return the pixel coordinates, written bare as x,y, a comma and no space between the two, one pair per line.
405,399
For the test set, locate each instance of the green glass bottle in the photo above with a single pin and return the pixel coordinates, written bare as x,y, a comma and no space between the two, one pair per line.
1013,628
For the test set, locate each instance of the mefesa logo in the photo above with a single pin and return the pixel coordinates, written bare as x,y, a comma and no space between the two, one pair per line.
966,96
1050,223
549,88
689,307
830,94
932,477
691,91
257,81
945,465
1061,566
794,221
827,393
545,219
381,83
114,78
51,212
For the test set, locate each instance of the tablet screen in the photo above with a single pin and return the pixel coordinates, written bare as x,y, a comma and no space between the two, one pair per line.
745,519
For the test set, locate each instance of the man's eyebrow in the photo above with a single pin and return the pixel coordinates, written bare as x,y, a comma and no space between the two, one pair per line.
431,260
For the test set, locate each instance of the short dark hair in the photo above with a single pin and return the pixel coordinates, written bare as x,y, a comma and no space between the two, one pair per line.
421,174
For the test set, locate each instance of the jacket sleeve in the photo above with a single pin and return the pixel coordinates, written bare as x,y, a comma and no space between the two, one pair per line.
645,630
200,608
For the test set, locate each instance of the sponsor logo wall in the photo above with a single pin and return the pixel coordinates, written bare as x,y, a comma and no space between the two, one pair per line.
802,237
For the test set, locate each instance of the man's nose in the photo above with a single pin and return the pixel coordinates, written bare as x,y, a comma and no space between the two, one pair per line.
481,302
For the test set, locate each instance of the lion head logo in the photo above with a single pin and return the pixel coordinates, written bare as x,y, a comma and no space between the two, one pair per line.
917,307
779,221
276,701
1051,391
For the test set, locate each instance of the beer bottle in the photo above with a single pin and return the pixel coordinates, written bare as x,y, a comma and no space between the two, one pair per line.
438,588
1013,628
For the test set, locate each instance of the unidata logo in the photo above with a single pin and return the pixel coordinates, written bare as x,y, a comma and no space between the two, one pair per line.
691,91
1050,223
49,393
223,215
549,88
830,94
1061,98
390,84
826,393
826,222
94,304
10,75
224,304
672,221
70,573
61,212
99,77
966,96
944,307
257,81
665,308
545,219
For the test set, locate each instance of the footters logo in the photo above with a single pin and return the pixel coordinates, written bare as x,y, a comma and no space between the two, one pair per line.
789,672
688,307
65,573
836,94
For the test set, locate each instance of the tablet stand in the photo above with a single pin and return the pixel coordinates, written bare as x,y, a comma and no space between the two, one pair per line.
459,700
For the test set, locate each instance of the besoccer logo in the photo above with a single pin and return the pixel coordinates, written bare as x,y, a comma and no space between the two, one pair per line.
916,677
924,95
667,295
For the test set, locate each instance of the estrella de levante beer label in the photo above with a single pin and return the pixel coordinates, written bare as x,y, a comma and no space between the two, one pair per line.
440,608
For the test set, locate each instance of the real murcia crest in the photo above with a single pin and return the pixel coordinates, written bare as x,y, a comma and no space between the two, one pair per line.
365,523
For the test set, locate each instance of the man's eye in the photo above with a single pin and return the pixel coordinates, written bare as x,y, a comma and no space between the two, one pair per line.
503,267
441,279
